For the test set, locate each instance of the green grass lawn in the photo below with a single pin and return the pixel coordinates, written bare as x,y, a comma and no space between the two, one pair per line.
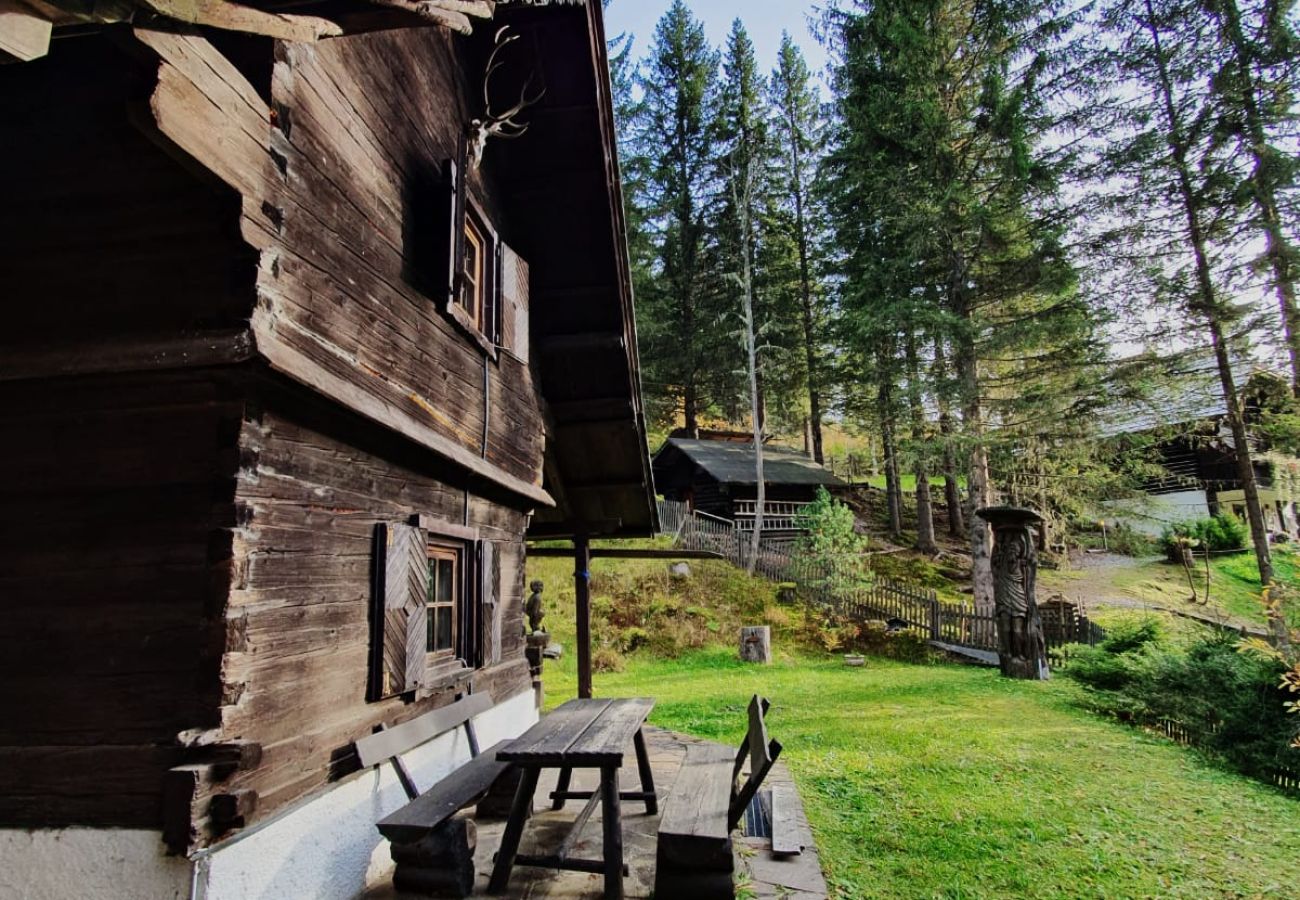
907,481
948,781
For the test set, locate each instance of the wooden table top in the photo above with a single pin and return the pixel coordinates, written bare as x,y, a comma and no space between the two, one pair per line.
580,733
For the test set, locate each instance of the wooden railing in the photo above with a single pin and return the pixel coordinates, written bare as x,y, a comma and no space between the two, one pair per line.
672,516
778,515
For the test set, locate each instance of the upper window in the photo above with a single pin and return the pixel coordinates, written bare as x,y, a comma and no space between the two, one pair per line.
473,286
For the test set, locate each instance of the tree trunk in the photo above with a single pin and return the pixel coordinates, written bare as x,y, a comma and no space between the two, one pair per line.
951,484
806,302
925,542
1245,464
743,194
893,491
980,489
1208,305
689,411
1279,252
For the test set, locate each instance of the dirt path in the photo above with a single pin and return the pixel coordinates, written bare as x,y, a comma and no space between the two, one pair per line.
1123,582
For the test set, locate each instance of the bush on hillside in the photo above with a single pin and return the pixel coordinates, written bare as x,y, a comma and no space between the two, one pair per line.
1125,541
1217,533
1234,704
831,542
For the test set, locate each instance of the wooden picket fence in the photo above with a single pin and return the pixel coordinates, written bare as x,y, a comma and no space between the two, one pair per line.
1288,779
859,595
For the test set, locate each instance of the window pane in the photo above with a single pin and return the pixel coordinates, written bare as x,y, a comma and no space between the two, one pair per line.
443,635
446,581
428,629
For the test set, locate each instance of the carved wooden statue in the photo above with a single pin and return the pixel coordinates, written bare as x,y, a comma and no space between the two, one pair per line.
1022,650
533,608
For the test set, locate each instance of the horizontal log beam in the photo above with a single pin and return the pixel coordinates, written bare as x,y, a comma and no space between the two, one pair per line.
585,412
607,485
546,531
24,33
621,553
581,343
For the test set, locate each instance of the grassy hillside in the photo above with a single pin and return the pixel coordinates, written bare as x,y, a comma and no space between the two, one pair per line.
1234,584
639,608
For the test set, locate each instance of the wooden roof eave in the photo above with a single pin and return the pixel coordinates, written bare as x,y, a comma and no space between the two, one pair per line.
637,479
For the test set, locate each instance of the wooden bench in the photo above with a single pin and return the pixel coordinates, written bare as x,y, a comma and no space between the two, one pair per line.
694,855
433,848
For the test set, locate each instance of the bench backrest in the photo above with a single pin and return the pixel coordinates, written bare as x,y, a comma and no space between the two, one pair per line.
389,744
761,753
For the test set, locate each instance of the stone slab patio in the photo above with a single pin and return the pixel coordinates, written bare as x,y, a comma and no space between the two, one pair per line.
790,878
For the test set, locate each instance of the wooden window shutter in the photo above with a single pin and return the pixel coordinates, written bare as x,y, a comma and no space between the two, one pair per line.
514,303
448,257
490,604
399,624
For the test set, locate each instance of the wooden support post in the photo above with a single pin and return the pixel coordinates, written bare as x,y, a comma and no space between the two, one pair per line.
582,592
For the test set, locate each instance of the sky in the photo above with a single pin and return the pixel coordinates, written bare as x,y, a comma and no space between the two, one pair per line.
764,19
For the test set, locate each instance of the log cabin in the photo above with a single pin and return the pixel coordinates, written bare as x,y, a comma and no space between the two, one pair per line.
300,351
1183,429
718,476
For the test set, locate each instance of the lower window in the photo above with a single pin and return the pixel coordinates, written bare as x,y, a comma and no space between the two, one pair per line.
445,574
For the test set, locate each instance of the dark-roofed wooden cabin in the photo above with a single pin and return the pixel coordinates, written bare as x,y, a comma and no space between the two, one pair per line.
287,380
719,477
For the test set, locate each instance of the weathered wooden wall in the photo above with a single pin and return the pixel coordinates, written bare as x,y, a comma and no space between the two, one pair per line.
114,546
109,242
299,638
154,205
363,128
121,270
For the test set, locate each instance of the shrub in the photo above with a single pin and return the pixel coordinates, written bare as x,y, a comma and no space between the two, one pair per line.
1233,704
633,639
1128,635
831,542
1122,539
606,659
1221,532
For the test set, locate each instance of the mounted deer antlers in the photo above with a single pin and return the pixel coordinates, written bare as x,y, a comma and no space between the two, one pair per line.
502,125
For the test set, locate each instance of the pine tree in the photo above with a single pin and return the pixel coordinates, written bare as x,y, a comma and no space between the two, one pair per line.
1163,157
941,204
672,133
1256,91
798,130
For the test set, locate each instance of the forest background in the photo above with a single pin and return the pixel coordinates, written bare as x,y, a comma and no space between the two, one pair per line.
985,225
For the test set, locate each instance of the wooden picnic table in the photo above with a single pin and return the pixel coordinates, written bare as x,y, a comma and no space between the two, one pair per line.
580,734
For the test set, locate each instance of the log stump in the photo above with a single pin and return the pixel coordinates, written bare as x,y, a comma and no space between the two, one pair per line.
441,864
756,644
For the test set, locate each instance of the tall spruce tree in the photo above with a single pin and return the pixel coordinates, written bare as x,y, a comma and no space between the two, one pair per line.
672,133
1171,181
1256,89
798,130
939,190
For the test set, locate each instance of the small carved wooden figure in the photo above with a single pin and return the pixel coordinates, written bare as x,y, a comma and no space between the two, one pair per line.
533,608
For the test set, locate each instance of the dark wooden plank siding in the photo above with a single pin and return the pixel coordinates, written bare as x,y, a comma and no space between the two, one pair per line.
106,237
113,564
296,673
364,127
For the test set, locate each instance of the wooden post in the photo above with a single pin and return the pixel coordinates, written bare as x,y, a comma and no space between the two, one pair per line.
936,624
582,592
